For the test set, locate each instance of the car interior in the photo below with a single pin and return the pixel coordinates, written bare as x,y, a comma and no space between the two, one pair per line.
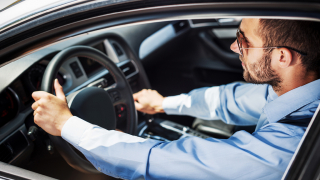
172,57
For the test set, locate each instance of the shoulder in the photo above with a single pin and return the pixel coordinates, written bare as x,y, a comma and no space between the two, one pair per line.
244,87
282,128
282,135
255,94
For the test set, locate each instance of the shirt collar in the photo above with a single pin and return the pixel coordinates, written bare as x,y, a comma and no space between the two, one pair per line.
291,101
271,94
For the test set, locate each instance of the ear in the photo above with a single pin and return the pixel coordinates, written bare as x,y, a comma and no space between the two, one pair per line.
284,57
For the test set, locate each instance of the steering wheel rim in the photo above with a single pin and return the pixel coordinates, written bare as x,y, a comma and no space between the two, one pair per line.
122,85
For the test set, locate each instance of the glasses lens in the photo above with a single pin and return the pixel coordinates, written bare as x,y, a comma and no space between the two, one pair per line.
241,42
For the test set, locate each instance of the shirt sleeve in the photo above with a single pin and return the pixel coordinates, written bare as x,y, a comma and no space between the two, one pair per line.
112,152
236,103
262,155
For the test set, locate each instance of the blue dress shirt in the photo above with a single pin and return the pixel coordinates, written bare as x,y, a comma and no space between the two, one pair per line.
265,154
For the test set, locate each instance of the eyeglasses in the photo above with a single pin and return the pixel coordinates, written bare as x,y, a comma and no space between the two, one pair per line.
242,44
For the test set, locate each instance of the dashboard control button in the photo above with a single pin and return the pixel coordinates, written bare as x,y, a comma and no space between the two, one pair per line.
76,69
121,112
115,95
101,83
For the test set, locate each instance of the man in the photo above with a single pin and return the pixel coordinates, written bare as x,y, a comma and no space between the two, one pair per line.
281,55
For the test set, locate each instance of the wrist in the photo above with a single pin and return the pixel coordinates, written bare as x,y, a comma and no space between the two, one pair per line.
63,122
159,108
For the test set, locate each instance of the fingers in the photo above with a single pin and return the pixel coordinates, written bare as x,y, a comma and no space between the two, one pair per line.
35,105
138,106
138,94
37,95
37,111
148,101
42,98
59,90
141,93
36,118
143,109
135,96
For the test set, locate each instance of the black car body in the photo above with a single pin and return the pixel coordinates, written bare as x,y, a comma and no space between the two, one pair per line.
171,46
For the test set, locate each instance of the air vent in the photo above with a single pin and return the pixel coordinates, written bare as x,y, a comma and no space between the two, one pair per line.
117,49
5,153
128,69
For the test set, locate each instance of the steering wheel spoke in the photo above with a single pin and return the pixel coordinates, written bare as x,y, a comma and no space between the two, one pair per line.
115,95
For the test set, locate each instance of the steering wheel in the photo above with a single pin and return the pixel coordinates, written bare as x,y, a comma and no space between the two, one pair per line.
92,104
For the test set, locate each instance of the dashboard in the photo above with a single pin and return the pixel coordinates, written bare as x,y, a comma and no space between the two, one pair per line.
20,78
74,74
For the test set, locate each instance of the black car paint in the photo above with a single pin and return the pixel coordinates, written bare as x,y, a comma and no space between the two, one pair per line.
18,38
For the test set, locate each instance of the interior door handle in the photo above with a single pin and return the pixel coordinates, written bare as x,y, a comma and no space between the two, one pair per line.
229,21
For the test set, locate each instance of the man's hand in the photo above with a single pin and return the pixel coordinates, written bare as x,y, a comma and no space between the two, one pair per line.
148,101
51,112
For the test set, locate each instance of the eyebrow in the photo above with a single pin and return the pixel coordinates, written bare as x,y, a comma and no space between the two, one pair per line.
244,36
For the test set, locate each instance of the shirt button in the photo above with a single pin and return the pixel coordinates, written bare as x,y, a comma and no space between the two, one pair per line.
99,169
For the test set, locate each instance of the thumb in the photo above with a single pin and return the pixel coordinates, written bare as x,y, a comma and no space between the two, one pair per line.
59,90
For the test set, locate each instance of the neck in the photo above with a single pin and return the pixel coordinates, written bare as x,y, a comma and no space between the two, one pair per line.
288,84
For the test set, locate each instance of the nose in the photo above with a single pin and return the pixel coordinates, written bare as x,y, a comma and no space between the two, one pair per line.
234,47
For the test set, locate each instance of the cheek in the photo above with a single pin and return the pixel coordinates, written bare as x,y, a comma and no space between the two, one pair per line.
254,56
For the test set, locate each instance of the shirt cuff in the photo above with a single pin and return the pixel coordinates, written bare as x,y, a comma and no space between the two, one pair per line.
73,129
171,104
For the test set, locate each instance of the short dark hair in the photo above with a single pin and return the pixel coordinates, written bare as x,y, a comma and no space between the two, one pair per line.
300,35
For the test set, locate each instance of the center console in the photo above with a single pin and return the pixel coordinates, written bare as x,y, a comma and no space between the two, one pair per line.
166,130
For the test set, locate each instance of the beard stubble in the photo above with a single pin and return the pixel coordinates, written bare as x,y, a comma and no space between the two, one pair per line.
262,73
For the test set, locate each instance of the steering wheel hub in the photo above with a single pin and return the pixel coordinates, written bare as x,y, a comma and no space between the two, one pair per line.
94,105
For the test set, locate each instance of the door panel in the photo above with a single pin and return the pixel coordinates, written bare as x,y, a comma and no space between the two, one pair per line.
220,47
199,57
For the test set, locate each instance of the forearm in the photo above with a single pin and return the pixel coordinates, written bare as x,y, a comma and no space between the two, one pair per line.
201,103
114,153
124,156
239,104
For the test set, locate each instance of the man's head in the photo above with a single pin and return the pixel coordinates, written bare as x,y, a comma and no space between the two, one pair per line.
281,49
